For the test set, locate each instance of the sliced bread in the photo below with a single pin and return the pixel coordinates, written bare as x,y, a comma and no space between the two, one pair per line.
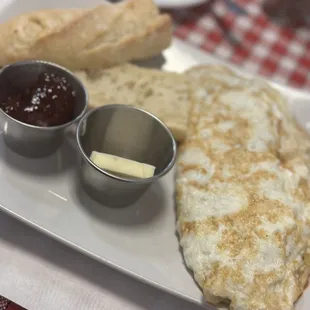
167,95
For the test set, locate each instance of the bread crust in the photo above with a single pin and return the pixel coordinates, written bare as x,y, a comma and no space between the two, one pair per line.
103,36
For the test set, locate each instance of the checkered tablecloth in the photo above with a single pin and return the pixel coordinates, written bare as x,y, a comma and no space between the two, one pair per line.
8,305
251,40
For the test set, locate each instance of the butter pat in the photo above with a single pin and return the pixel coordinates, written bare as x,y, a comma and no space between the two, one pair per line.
122,166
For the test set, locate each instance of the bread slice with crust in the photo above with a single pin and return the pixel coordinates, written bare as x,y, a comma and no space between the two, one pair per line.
167,95
103,36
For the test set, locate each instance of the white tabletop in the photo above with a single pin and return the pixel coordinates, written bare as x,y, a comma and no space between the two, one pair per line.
40,273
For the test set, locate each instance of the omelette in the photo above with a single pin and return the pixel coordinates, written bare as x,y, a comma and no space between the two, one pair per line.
243,196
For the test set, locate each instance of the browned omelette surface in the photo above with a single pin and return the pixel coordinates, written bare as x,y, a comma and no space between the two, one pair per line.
243,194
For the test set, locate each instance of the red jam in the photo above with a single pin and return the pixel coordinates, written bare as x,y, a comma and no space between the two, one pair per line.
50,102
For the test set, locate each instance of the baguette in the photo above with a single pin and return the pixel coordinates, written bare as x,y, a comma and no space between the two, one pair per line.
103,36
167,95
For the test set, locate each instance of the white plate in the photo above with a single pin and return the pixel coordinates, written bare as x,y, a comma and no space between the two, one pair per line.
173,4
139,240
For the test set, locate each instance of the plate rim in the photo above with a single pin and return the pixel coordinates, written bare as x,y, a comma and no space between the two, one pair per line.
167,4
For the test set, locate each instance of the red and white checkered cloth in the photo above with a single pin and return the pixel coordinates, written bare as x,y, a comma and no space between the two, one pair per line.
251,41
3,303
8,305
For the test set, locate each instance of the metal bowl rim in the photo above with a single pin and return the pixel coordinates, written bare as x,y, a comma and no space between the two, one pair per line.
50,128
111,175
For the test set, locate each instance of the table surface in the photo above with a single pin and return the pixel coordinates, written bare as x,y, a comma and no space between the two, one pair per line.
39,273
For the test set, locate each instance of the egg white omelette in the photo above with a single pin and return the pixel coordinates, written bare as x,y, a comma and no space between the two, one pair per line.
243,194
